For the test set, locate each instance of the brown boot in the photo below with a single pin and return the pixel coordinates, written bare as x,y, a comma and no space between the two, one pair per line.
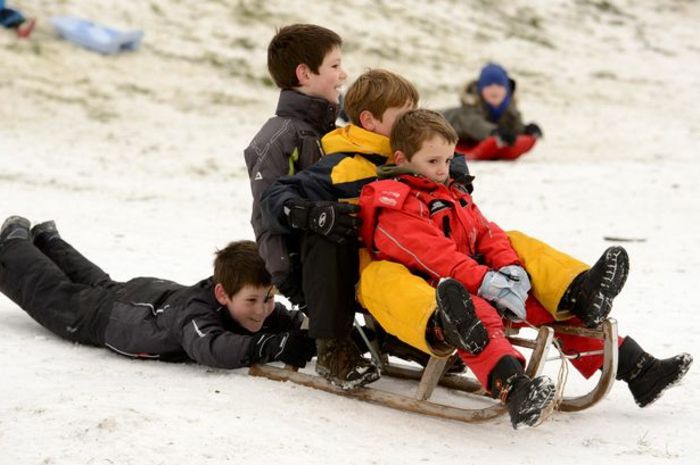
340,362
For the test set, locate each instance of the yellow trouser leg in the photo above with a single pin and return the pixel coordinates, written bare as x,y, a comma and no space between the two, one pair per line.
551,271
400,301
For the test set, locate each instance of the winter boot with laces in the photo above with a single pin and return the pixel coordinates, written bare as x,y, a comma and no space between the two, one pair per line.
526,399
591,294
648,377
339,361
456,318
14,227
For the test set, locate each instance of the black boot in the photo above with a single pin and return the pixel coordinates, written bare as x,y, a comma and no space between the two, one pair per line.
525,398
646,376
591,293
14,227
45,231
457,319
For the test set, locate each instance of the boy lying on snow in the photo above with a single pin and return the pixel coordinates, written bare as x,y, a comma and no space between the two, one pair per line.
229,320
417,217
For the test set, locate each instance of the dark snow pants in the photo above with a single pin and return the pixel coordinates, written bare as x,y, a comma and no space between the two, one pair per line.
58,287
329,274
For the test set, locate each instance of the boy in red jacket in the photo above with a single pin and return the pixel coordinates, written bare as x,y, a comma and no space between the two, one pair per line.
416,217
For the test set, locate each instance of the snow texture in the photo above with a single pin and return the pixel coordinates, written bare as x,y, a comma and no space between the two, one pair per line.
138,158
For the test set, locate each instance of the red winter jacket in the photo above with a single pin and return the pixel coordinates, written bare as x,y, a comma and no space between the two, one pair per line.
435,230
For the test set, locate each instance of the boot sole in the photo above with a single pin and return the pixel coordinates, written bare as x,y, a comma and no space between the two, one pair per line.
686,361
611,284
457,308
614,280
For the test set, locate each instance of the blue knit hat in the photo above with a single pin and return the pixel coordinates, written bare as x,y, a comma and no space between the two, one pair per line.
493,74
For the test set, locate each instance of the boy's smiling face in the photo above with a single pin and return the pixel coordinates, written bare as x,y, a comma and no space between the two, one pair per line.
432,160
250,306
328,81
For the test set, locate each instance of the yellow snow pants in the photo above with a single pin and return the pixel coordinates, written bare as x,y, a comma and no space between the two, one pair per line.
402,302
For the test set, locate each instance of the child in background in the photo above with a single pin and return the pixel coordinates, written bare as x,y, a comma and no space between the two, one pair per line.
13,19
229,320
417,217
488,122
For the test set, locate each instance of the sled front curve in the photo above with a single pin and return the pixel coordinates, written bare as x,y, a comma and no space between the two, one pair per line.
607,332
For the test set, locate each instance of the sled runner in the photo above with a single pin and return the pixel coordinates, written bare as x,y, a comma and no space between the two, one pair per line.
435,374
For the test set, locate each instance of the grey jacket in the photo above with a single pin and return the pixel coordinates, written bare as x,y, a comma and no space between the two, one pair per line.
287,143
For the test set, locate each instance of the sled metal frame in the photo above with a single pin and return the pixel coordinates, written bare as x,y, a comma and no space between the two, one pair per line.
434,374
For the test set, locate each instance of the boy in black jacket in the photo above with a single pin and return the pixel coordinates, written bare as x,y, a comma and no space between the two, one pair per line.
229,320
311,268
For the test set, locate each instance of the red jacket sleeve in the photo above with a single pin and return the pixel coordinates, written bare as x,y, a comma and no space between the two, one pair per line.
493,244
420,245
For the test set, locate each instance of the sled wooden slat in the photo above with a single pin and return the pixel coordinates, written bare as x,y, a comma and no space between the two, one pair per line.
430,378
388,399
545,334
534,366
609,370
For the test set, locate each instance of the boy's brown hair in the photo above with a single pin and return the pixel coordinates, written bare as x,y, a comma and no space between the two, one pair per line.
239,264
415,127
295,45
375,91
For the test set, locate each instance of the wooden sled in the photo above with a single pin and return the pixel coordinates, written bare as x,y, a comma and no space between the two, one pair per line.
434,374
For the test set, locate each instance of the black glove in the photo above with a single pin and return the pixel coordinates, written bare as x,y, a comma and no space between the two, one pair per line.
334,220
292,347
533,130
506,136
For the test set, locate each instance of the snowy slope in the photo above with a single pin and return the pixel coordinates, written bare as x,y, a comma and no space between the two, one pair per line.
138,157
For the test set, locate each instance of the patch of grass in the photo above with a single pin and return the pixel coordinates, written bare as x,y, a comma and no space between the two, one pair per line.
243,43
156,9
604,75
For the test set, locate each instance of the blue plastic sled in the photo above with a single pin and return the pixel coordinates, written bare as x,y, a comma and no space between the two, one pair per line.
96,37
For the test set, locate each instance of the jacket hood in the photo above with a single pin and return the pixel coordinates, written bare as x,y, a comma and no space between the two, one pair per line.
407,175
391,170
354,139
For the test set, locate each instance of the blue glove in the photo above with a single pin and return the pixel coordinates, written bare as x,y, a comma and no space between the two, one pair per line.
499,289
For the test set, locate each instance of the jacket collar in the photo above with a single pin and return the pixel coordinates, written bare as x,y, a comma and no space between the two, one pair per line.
318,112
418,182
354,139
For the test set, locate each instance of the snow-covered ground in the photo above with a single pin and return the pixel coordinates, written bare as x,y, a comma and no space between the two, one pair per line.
138,157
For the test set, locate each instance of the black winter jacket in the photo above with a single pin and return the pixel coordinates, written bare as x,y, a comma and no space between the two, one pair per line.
154,318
